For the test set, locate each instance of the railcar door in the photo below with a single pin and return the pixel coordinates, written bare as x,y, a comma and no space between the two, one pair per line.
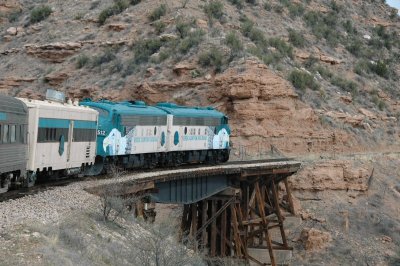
70,136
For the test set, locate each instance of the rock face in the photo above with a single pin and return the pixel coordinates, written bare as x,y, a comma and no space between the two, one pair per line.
11,82
53,52
333,175
55,79
314,239
263,108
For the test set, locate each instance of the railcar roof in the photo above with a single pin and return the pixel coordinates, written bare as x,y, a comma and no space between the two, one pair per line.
126,108
185,111
10,104
51,104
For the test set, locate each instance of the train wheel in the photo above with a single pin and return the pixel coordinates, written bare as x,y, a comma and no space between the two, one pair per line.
31,179
5,183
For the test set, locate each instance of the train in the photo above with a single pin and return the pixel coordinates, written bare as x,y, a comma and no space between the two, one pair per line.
54,139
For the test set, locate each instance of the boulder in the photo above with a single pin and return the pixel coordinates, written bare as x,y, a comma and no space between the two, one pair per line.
12,31
314,239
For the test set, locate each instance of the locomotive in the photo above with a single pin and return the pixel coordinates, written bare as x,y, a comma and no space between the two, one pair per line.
50,139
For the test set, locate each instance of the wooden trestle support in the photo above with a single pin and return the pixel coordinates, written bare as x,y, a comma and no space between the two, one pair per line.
230,222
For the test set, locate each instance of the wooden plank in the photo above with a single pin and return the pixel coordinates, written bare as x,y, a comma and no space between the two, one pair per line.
223,233
278,213
213,244
203,221
289,196
265,222
194,220
236,236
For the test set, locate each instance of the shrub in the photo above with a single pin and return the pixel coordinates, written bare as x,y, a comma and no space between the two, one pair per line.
335,7
144,49
302,80
296,38
183,28
82,61
14,16
324,72
237,3
296,10
213,57
253,2
104,58
283,47
158,12
380,68
214,9
355,47
324,26
348,26
234,43
346,85
267,6
40,13
192,40
253,33
118,7
159,26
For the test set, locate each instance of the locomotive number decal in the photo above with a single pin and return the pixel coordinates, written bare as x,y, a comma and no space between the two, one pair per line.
101,132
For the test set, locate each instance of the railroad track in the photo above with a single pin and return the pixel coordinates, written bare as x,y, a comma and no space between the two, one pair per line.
51,184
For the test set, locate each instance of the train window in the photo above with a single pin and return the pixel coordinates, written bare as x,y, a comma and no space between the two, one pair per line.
5,134
155,131
198,132
185,130
12,134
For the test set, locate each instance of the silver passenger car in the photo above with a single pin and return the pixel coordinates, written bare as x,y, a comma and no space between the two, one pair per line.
13,141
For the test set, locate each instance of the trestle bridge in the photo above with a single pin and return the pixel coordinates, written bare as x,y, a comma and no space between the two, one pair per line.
227,209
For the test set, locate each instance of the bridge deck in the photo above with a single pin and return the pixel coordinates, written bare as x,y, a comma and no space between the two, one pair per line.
133,183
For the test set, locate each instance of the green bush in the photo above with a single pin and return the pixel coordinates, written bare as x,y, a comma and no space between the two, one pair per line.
296,10
324,72
144,49
346,85
183,28
234,43
296,38
82,61
192,40
267,6
237,3
104,58
324,26
159,26
302,80
253,2
40,13
212,58
356,47
158,12
380,68
362,67
14,16
118,7
214,9
282,46
349,27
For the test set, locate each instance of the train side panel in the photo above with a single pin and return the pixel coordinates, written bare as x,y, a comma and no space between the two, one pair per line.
61,136
13,142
